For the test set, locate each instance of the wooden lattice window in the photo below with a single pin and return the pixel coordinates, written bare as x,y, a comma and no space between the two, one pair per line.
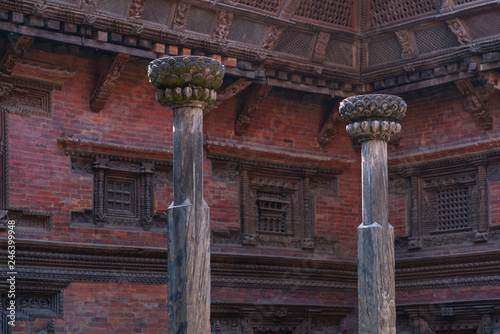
120,196
453,209
447,204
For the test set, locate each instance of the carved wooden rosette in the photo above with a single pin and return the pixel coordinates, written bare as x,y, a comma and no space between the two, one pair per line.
373,121
186,85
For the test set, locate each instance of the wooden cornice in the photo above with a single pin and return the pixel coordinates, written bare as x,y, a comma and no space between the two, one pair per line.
443,158
133,36
87,147
236,150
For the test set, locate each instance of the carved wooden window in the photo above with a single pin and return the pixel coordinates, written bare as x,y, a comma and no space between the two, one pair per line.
448,204
276,203
273,212
453,209
121,196
123,193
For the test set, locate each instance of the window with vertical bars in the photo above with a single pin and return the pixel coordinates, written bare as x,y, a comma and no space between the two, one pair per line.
272,212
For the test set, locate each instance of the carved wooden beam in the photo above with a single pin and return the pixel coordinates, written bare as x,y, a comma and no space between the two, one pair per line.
232,90
492,77
106,83
475,103
17,48
244,120
327,132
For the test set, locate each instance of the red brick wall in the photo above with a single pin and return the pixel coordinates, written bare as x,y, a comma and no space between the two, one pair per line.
39,174
108,308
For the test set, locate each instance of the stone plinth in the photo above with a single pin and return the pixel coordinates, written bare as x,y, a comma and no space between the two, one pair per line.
186,85
373,120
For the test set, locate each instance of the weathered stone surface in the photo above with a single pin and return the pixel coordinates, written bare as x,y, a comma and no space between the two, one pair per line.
373,121
182,79
376,289
186,85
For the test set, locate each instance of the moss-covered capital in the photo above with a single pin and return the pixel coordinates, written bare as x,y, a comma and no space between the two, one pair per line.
373,116
183,79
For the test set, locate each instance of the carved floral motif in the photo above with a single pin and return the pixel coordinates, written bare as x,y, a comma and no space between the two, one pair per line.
373,116
185,78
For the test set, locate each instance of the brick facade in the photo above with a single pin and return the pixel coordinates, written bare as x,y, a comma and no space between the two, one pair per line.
105,271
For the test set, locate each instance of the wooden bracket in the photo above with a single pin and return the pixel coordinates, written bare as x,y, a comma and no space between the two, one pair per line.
492,77
106,83
17,48
475,103
232,90
259,95
327,131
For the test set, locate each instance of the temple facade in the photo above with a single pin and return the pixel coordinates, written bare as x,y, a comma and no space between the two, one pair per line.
86,162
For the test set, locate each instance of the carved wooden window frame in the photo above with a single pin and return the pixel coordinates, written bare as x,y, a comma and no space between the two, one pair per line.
299,185
105,161
139,173
425,183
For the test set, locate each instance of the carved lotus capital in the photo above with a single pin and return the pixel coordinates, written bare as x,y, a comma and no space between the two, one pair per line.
373,116
184,79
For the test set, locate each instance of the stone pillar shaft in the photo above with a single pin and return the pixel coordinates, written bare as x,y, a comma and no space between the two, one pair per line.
188,153
372,121
375,182
188,228
186,85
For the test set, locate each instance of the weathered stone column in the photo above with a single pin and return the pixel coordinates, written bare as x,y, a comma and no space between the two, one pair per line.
186,85
373,121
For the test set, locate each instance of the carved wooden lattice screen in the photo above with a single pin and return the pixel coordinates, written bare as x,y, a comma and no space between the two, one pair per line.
266,5
384,11
338,12
453,209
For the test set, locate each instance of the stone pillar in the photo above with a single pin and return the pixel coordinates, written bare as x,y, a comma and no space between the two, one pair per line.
373,121
186,85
